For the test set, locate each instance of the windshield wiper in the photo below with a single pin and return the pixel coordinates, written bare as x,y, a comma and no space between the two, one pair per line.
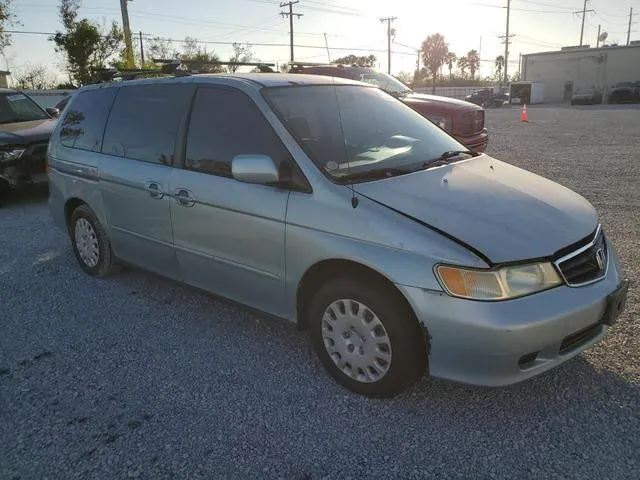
446,156
376,173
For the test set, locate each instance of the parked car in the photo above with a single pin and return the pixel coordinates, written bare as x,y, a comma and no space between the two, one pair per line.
25,128
625,92
587,98
332,204
486,98
463,120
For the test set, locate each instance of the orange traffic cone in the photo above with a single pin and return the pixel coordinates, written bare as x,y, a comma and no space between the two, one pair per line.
524,117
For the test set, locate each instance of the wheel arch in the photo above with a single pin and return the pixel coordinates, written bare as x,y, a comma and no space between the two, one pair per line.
69,206
323,270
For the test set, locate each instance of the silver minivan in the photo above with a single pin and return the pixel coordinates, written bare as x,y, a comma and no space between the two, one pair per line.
332,204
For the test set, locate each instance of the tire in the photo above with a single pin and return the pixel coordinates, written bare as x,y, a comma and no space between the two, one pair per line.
90,243
400,358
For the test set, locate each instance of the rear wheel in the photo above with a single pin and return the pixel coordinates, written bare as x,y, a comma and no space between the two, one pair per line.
91,245
366,338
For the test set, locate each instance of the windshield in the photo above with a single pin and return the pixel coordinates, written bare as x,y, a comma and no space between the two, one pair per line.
17,107
383,81
371,130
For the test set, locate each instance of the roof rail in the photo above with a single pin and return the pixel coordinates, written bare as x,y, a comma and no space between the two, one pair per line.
191,67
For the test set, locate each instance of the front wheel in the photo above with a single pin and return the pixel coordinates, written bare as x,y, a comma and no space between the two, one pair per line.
366,338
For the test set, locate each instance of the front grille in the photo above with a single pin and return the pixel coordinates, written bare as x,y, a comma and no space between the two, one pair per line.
470,123
579,338
586,264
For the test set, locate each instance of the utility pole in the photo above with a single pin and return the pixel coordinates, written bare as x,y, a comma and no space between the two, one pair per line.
598,41
584,14
128,45
507,40
141,51
290,14
629,29
389,20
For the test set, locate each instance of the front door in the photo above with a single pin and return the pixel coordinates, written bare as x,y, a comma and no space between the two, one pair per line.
139,145
230,236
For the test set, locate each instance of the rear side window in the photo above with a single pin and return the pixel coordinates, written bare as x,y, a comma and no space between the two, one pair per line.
144,122
84,119
225,123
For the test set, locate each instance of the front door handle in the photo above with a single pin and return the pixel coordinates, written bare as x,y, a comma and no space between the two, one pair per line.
154,189
184,197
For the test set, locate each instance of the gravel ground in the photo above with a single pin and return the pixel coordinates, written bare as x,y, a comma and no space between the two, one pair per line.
136,377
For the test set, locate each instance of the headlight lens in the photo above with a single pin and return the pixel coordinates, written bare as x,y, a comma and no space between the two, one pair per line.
502,284
8,155
443,122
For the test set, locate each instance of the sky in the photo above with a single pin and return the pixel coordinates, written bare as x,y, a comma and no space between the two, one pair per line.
352,27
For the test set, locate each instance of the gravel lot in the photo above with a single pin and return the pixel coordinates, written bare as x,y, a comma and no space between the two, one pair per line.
136,377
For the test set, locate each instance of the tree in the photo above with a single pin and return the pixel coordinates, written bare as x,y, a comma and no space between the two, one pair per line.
434,50
499,64
450,60
7,19
200,60
86,47
405,77
361,61
474,62
516,77
161,48
463,64
241,54
35,77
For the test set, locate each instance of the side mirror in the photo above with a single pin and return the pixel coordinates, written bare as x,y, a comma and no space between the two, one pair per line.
54,112
254,169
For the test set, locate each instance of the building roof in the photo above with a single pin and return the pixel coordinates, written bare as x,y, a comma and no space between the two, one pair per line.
585,49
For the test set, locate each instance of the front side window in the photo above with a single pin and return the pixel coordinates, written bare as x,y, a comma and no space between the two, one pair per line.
225,123
351,131
17,107
144,122
84,120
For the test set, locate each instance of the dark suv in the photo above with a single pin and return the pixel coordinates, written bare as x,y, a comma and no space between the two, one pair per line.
25,128
625,92
463,120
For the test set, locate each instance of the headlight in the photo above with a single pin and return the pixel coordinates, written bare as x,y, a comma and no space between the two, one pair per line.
443,122
502,284
8,155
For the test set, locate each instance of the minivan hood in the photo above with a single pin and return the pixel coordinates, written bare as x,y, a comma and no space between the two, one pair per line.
503,212
26,132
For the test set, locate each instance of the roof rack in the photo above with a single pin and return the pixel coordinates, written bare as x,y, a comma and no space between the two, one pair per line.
180,67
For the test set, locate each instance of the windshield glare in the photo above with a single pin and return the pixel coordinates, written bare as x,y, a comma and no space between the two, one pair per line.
383,81
17,107
351,130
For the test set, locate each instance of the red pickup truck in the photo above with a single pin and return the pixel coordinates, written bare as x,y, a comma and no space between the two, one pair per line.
463,120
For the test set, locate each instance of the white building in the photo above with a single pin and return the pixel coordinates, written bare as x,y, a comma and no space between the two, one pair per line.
581,70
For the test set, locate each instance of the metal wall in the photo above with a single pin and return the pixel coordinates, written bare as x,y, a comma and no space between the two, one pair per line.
581,71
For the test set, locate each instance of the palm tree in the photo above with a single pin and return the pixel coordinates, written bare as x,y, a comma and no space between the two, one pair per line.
434,50
499,65
450,60
463,64
474,62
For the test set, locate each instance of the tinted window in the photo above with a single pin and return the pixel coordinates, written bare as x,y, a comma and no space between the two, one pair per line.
144,122
17,107
84,119
225,123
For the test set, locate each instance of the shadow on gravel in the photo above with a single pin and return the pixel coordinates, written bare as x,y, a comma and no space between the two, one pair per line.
28,195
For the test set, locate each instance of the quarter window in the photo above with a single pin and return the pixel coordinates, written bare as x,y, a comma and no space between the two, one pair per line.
144,122
84,119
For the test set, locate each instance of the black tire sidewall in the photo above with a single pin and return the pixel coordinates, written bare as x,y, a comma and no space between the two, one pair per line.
408,360
104,255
